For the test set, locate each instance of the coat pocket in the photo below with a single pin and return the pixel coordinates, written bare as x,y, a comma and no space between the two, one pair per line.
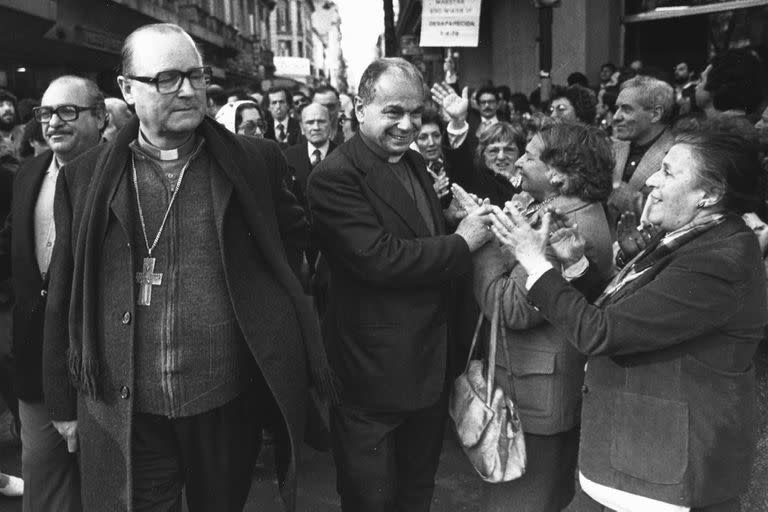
650,438
533,373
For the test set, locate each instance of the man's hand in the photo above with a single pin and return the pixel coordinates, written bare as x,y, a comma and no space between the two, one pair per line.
68,430
475,227
454,105
759,227
466,201
454,213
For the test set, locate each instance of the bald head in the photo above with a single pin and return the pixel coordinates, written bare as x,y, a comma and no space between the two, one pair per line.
147,37
316,124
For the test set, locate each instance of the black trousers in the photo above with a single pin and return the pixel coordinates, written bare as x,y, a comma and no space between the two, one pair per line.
386,461
210,455
584,503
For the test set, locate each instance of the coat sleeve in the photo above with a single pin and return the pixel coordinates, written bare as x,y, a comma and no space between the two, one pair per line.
686,299
350,232
494,268
60,395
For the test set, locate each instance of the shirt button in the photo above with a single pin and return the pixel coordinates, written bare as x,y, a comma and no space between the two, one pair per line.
585,389
126,318
125,392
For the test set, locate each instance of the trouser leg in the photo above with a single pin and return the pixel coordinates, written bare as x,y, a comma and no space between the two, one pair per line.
51,474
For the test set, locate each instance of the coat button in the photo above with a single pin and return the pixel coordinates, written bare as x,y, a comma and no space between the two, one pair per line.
585,389
126,318
43,293
125,392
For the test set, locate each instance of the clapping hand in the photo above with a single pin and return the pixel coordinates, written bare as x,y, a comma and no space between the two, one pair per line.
441,184
528,244
631,237
565,240
466,201
454,105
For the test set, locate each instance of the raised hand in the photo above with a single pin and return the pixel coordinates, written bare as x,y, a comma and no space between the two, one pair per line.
441,184
454,105
474,228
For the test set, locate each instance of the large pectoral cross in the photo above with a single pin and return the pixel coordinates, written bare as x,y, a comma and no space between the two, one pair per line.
147,279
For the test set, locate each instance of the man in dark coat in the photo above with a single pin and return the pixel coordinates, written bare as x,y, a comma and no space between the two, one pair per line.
172,308
284,129
72,115
392,265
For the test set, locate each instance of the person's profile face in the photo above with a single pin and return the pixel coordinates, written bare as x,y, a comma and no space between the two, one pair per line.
392,119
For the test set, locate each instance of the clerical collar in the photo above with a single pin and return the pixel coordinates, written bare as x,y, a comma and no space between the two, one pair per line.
166,154
376,150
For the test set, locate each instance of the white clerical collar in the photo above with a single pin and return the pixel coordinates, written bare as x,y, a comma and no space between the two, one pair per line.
166,154
323,149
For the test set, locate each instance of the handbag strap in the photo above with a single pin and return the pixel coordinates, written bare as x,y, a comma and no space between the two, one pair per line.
492,348
475,336
505,347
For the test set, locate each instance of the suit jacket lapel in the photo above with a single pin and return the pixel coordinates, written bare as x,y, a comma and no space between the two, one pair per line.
651,161
28,191
384,184
621,153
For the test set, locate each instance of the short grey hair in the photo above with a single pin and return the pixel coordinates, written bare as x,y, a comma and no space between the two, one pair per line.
653,93
367,88
126,53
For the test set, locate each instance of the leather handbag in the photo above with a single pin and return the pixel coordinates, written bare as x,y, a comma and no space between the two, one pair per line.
485,417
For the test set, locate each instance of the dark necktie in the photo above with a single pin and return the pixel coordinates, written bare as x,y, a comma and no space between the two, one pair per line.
316,157
280,132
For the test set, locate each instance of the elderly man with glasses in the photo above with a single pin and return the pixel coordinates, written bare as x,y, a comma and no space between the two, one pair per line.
73,116
176,327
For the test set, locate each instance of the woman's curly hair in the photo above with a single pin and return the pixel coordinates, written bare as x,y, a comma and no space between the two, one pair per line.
582,153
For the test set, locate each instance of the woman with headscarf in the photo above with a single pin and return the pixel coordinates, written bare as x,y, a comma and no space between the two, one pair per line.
243,117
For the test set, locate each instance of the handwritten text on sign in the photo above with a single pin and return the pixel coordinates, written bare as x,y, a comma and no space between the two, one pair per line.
450,22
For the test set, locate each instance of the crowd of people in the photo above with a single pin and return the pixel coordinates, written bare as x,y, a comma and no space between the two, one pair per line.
195,272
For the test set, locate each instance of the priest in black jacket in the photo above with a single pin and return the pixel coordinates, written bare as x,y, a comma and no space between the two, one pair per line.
393,267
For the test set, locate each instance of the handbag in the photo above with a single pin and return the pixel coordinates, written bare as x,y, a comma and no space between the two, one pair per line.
486,419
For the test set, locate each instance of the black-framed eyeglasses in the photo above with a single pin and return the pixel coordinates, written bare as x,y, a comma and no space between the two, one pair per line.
343,119
65,112
169,82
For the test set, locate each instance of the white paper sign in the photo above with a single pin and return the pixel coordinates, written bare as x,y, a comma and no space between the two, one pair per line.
450,22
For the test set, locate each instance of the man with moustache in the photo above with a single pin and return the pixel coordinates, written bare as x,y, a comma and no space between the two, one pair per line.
644,109
175,326
489,109
73,116
393,269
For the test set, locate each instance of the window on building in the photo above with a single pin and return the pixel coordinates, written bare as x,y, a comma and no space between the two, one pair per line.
283,17
301,49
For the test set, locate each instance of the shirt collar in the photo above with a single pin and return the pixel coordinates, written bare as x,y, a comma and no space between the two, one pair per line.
156,153
54,166
323,149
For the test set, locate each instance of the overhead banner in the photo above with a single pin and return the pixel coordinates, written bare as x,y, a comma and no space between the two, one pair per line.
450,23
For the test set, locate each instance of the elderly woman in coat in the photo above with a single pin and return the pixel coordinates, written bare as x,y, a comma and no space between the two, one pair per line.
668,419
567,167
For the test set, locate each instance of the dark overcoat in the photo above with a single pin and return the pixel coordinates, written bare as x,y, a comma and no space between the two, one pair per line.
392,279
263,308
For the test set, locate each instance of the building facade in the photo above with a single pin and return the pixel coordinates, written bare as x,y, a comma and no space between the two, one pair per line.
41,39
